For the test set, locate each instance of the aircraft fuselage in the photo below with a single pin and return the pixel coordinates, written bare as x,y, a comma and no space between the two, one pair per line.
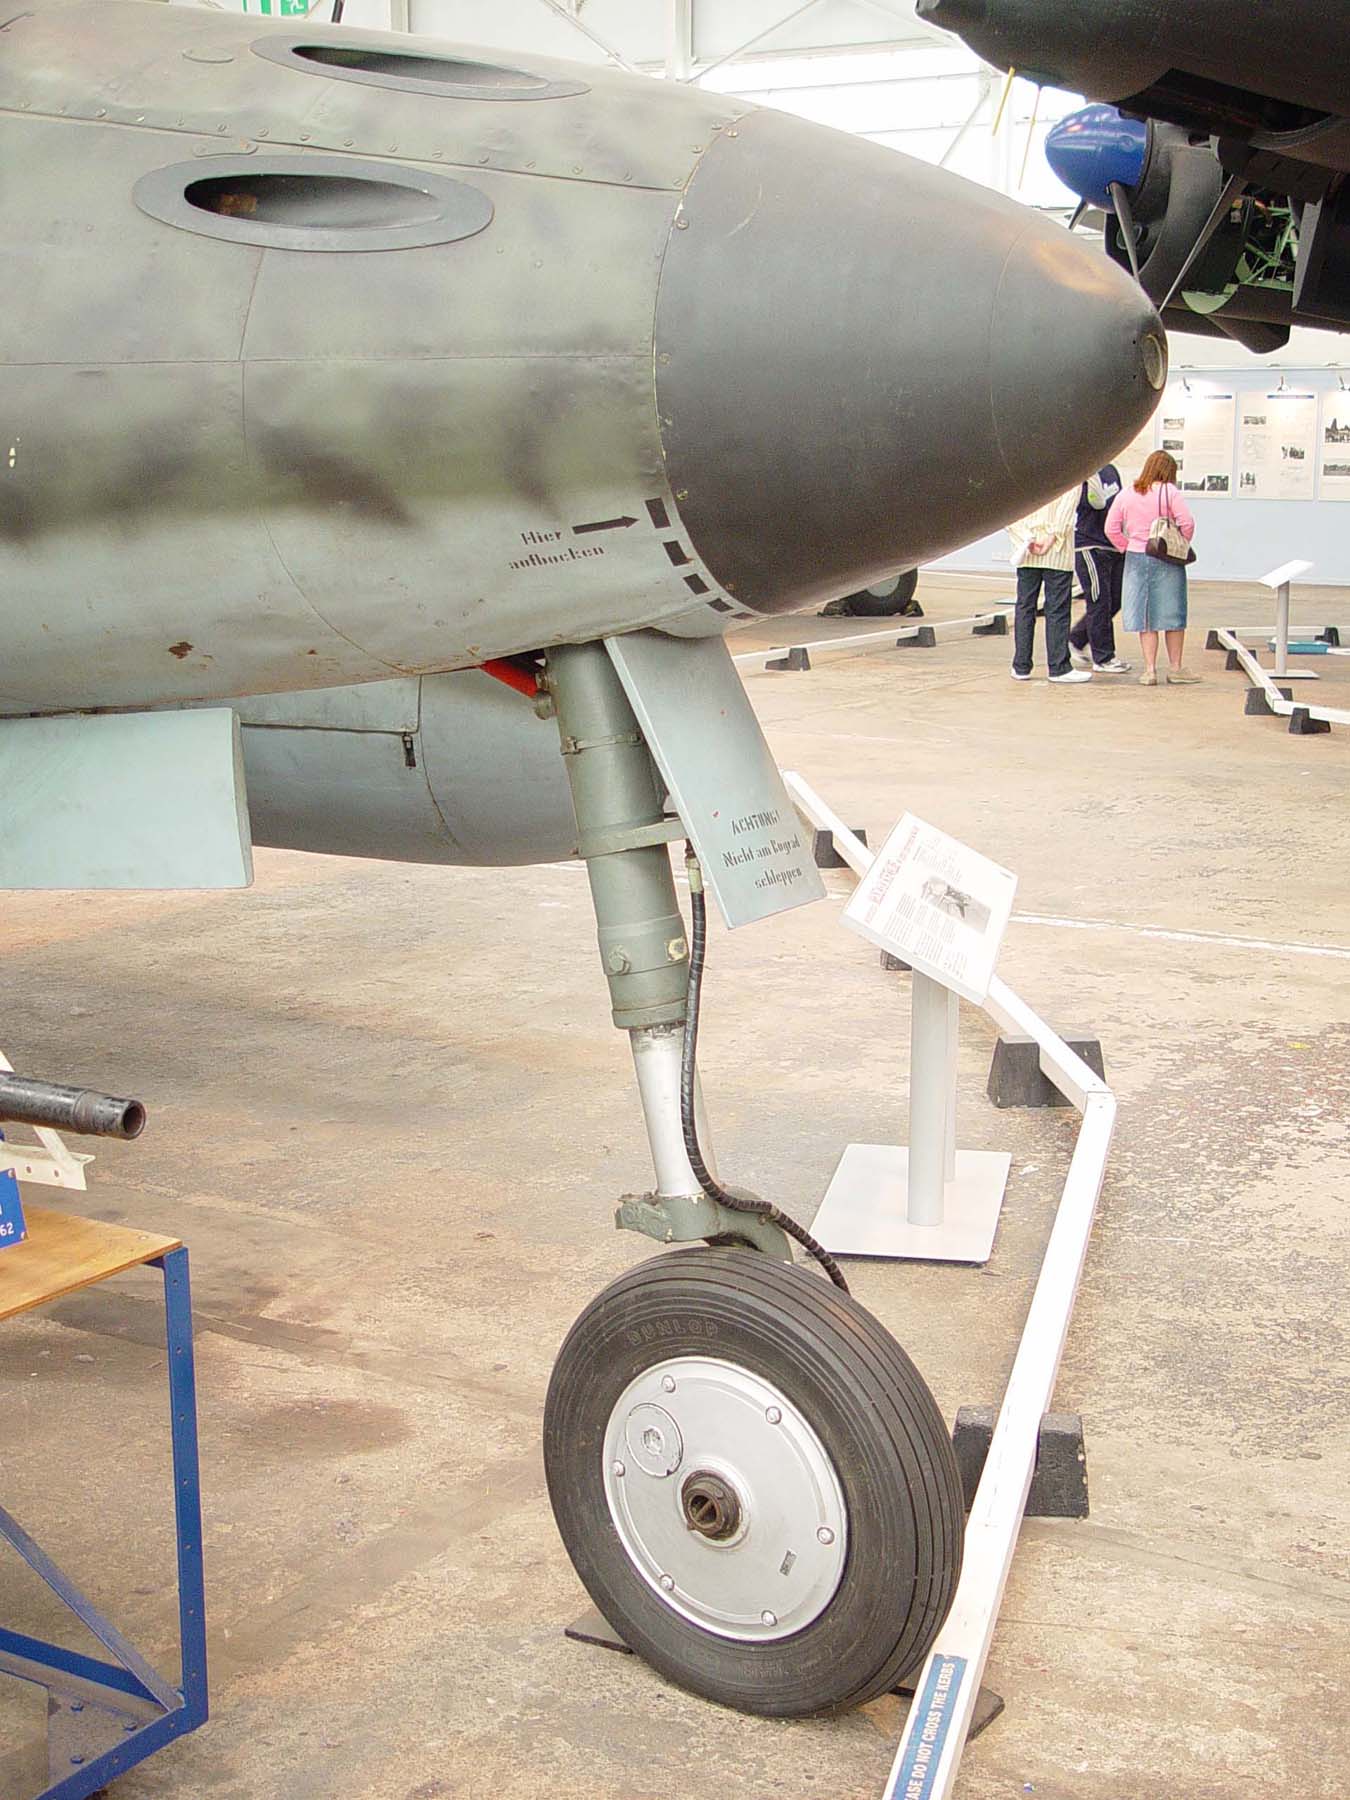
331,356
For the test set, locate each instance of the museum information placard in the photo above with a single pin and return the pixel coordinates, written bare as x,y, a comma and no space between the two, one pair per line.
1136,453
1197,429
1334,473
937,904
1277,445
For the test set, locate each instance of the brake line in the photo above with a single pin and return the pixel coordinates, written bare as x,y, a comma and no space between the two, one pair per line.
763,1209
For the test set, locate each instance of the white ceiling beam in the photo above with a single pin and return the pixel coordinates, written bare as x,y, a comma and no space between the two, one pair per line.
903,15
758,38
958,139
679,39
578,24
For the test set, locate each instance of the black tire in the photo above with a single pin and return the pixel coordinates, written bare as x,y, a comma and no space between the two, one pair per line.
876,1421
866,605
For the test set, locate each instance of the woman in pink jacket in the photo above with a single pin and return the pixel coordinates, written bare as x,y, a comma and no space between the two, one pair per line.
1154,591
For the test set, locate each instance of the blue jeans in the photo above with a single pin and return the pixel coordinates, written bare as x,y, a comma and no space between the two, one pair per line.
1058,587
1155,594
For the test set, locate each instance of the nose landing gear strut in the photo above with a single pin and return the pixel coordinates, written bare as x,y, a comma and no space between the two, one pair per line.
750,1476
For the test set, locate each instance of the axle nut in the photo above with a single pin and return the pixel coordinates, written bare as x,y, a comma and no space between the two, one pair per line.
711,1506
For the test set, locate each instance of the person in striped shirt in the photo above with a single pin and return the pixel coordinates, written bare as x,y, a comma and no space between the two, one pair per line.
1042,545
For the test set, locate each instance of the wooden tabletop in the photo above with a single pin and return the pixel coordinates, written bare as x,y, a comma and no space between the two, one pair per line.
62,1253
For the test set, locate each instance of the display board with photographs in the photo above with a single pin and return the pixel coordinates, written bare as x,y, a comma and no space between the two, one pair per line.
1287,440
1277,445
1334,474
1136,453
1197,429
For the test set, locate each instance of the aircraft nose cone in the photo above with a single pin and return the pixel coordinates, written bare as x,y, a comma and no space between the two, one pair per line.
1078,358
864,362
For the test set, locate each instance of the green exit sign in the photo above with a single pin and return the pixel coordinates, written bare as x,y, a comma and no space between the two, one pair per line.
278,9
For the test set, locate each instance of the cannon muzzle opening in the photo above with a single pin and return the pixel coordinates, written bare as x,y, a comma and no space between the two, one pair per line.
27,1101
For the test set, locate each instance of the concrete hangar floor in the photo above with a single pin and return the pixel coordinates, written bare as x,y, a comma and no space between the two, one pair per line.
390,1118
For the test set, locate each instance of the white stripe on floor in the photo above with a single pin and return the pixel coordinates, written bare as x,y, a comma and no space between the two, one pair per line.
1182,937
1269,945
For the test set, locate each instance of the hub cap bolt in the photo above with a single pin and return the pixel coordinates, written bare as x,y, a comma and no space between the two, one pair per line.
769,1618
668,1383
773,1415
825,1535
668,1583
619,1469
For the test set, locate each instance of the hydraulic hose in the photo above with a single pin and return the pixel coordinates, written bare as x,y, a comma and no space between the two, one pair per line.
764,1209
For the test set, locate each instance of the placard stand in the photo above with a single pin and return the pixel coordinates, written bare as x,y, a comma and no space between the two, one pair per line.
930,1201
1279,579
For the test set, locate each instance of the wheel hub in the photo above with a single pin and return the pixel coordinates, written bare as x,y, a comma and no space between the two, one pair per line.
724,1498
712,1506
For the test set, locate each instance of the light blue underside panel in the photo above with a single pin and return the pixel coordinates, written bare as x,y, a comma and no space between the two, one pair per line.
128,800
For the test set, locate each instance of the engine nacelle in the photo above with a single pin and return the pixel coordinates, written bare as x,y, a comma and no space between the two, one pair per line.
443,769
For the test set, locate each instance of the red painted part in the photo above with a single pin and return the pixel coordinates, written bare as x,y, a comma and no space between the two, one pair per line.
512,674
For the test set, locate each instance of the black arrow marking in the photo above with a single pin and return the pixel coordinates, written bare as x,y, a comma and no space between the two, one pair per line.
604,525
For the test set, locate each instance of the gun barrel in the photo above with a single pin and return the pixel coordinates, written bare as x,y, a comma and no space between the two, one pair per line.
27,1101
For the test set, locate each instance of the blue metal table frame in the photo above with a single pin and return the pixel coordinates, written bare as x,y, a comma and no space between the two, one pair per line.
105,1717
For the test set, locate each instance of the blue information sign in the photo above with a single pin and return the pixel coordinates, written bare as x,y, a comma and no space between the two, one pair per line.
12,1228
915,1774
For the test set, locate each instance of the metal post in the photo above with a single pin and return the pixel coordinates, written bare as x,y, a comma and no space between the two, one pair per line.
187,1492
1282,629
870,1207
932,1043
953,1043
679,39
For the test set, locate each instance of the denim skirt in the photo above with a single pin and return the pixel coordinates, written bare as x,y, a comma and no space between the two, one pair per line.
1153,594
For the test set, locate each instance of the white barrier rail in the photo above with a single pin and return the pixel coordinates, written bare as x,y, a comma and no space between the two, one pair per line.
1267,681
946,1687
752,662
1263,633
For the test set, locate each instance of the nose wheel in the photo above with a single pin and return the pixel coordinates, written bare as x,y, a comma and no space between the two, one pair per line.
753,1482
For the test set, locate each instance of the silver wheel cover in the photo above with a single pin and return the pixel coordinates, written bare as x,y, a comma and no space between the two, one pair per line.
779,1565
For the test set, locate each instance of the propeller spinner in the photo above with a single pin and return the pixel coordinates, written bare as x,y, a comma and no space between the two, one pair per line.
1160,187
1165,197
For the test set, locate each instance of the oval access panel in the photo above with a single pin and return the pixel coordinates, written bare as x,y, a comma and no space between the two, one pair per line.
416,71
314,203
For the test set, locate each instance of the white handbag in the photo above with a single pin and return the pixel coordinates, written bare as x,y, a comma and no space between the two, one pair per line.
1166,540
